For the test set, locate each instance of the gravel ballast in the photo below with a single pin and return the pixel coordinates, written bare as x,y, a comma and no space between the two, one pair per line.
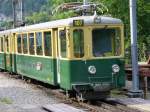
18,96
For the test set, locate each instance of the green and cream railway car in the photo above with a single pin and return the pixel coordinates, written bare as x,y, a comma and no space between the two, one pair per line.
84,55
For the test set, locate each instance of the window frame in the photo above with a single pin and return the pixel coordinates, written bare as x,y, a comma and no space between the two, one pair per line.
120,27
34,41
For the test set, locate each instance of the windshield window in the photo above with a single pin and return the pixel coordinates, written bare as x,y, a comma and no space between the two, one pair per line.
106,42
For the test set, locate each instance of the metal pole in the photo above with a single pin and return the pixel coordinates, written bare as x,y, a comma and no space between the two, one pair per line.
135,71
85,2
21,9
133,25
14,9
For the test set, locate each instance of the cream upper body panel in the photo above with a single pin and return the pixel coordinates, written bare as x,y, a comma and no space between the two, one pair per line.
88,20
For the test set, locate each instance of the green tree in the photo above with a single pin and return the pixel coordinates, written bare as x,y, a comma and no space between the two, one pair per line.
37,18
120,9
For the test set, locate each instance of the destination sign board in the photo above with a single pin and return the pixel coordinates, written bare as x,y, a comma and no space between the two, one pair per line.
78,23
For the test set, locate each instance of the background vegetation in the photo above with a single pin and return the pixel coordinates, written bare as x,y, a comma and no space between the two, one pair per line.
37,11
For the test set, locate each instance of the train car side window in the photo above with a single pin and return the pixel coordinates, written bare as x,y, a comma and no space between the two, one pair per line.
6,44
47,44
2,45
25,49
19,43
39,49
31,44
63,43
78,42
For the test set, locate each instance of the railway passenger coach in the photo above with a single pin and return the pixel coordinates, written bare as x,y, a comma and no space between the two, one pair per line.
83,55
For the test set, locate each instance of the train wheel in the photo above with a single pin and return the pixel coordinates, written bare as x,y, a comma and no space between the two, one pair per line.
80,98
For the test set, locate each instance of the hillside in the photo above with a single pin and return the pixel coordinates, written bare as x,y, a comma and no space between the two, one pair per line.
29,6
37,11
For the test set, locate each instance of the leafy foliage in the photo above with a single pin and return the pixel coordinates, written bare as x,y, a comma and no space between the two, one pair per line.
120,9
29,6
37,18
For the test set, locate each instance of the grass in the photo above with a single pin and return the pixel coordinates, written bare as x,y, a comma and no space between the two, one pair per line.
6,100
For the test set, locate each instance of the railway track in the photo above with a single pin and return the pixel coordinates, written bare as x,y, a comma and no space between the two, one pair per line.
94,106
115,107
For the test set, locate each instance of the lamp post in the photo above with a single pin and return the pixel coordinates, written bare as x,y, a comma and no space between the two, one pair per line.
135,91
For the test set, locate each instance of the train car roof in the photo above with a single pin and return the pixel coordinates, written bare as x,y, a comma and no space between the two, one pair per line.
88,20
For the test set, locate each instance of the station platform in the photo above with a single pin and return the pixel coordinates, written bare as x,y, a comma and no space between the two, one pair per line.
135,103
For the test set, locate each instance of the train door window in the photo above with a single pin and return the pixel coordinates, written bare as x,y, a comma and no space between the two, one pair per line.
63,43
39,50
104,42
78,43
25,49
7,44
19,43
47,44
31,44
